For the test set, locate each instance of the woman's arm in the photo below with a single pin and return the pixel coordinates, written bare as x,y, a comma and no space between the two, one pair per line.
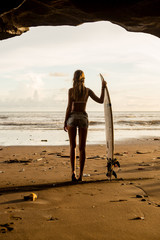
94,96
68,110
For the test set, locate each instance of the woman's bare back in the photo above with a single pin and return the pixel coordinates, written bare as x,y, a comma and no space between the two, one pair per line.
80,104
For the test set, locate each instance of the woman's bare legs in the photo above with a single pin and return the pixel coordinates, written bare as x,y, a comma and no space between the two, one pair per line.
82,149
72,132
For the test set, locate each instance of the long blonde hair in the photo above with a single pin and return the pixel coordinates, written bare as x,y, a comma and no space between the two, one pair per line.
78,85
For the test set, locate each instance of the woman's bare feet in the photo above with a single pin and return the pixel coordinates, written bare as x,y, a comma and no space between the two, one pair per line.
74,179
79,179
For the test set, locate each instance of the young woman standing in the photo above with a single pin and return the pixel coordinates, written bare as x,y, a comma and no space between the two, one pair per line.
77,118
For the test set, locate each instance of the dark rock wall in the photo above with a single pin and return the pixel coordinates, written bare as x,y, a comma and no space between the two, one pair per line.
134,15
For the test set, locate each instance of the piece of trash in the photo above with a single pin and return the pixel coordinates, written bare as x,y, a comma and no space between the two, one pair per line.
22,170
30,197
44,140
86,175
1,171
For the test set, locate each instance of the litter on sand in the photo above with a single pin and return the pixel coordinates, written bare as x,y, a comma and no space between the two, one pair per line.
30,197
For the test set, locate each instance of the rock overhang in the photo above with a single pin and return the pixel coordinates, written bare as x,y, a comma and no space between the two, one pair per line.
16,17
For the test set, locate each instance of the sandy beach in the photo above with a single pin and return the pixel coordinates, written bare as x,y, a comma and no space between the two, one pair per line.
126,208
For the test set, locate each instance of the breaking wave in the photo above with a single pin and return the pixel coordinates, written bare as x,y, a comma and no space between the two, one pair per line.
139,122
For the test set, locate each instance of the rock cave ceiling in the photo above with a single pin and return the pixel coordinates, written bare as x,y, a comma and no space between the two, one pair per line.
17,16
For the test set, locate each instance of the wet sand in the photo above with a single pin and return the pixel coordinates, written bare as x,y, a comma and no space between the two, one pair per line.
126,208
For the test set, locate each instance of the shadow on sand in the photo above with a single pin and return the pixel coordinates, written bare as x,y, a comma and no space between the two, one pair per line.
39,187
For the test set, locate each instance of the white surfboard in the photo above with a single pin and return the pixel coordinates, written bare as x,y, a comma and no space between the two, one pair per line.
109,132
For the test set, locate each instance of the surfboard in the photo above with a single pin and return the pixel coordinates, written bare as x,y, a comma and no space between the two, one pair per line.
109,132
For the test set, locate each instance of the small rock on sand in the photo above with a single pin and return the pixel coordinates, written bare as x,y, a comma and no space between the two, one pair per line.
140,169
139,196
138,218
52,219
94,157
22,170
39,159
86,175
118,154
143,200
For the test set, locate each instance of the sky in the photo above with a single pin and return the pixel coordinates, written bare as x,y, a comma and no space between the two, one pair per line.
37,67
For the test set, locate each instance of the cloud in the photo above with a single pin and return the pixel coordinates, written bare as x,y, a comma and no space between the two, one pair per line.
58,74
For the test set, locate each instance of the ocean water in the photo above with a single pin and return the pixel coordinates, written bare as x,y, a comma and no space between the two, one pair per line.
46,128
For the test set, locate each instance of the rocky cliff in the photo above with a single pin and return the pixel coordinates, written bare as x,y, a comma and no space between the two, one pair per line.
17,16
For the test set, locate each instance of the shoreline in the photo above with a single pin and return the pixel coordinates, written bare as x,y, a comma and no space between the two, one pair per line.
93,209
151,139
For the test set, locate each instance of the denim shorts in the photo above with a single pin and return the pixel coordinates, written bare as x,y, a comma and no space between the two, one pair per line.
78,119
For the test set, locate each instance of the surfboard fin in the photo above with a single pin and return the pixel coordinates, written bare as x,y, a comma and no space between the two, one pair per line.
114,174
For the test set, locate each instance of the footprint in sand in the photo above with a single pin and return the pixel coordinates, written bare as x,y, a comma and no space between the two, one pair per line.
51,219
16,218
7,227
119,200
